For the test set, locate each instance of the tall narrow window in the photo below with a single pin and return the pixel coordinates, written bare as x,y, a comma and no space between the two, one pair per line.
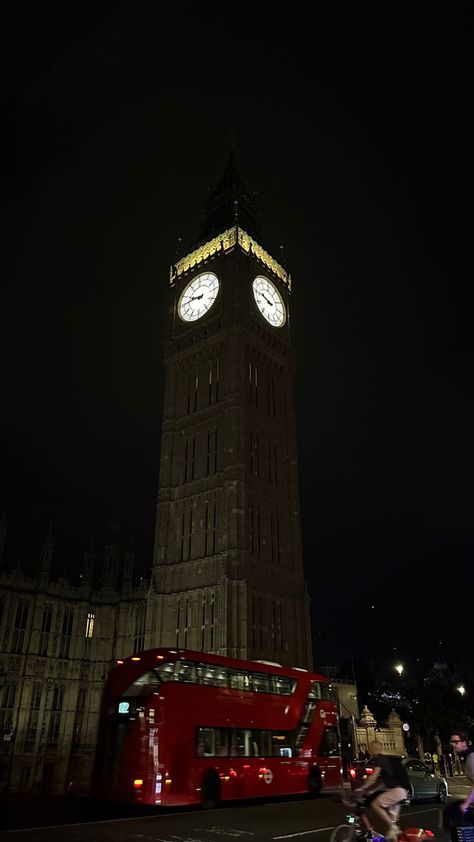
261,622
257,465
206,528
254,623
273,397
268,381
208,458
90,623
215,451
139,636
19,628
251,452
178,620
256,387
275,463
55,718
217,380
213,612
186,620
196,388
32,727
7,702
272,538
193,457
182,535
250,382
79,719
258,531
186,455
45,630
190,531
203,622
214,528
278,538
209,393
188,401
270,454
252,533
66,633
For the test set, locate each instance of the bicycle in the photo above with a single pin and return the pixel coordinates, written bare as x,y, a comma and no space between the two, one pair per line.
358,827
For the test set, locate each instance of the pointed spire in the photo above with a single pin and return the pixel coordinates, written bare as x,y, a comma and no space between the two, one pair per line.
46,557
111,556
230,204
89,562
128,564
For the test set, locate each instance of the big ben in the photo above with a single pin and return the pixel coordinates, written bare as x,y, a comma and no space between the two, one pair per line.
228,570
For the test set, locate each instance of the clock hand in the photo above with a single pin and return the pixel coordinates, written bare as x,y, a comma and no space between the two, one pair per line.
267,300
197,297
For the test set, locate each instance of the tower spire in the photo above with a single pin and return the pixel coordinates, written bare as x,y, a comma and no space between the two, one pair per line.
229,204
46,557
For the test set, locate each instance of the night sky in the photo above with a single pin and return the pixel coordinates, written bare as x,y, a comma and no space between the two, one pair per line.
352,125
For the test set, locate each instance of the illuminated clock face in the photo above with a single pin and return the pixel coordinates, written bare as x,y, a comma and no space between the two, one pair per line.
198,297
269,301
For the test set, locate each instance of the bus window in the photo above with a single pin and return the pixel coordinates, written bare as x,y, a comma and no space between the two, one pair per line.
315,692
261,682
282,685
212,742
261,743
241,743
215,676
165,671
239,680
185,671
329,745
282,744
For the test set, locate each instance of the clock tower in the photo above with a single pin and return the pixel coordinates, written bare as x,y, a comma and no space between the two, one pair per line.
227,570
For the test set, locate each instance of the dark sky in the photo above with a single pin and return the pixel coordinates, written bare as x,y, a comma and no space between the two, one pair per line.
352,124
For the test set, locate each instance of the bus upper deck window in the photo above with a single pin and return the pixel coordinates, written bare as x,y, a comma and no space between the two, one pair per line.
185,671
214,676
165,671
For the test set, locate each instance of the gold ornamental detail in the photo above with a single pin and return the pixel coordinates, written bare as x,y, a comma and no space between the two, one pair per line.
225,242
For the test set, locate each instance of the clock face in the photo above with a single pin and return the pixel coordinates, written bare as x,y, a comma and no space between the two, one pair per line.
198,297
269,301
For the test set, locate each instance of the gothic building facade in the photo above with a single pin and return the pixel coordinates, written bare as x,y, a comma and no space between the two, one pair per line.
227,573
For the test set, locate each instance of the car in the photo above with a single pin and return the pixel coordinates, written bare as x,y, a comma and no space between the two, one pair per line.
424,784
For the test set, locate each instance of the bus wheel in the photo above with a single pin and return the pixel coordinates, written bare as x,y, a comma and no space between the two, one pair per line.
314,783
210,790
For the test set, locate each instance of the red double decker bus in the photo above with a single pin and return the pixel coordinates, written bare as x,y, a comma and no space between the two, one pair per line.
182,727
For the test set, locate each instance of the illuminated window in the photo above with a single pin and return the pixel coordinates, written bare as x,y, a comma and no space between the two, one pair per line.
90,624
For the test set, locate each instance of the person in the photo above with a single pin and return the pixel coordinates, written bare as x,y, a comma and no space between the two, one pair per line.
389,785
461,812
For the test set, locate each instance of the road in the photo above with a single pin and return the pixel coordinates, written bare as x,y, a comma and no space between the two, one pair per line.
290,820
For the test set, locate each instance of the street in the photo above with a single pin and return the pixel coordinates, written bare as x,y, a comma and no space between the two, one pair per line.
278,821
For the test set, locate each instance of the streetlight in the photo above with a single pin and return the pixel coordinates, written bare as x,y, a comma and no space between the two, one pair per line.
399,668
461,689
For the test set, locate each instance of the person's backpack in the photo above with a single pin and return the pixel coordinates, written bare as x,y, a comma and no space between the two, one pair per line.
399,772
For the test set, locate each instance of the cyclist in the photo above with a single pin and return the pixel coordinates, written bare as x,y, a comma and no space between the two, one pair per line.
389,785
461,812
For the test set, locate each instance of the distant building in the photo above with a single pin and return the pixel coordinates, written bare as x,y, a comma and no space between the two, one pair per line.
227,573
